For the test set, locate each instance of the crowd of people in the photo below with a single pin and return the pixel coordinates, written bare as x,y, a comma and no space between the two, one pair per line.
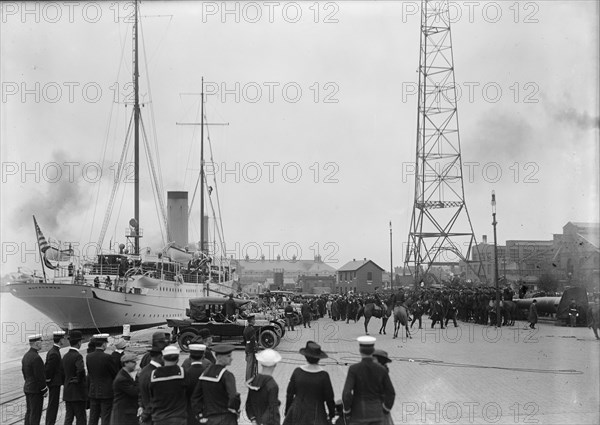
201,390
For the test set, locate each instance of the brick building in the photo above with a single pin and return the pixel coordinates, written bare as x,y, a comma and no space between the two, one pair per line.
359,276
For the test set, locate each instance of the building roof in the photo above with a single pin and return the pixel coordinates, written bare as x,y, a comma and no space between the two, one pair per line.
590,232
355,265
299,266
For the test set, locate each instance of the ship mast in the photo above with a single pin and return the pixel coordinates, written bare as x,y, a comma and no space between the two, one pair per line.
136,149
202,167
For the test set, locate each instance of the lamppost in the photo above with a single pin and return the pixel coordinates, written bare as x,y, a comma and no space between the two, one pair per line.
494,222
391,260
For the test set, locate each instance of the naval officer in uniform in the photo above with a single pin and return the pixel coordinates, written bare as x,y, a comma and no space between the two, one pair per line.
75,390
34,375
215,397
251,347
54,376
102,372
368,392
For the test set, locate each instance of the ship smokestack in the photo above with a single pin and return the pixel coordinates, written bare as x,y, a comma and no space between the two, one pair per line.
177,217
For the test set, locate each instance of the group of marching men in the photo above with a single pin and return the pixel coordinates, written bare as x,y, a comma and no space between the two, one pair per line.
199,391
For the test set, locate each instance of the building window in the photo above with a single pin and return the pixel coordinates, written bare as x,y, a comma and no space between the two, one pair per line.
369,276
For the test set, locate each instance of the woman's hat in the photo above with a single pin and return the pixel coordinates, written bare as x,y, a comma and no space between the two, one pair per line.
268,357
313,350
382,356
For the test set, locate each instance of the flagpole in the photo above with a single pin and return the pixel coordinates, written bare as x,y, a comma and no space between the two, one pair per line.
39,249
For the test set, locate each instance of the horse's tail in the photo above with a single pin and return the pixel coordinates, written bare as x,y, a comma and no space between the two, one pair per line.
360,313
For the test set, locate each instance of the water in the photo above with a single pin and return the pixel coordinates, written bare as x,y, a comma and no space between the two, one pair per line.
19,320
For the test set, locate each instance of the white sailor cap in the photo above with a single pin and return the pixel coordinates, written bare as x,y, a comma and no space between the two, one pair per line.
34,338
366,344
268,357
197,347
59,333
170,350
101,337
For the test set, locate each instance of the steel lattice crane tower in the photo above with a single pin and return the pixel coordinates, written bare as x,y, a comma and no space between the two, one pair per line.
440,232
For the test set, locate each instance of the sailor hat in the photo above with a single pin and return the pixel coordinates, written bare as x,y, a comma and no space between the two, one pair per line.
170,350
101,337
366,344
223,349
59,333
197,348
268,357
35,338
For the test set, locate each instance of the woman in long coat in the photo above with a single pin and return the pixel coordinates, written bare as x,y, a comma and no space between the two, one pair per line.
309,391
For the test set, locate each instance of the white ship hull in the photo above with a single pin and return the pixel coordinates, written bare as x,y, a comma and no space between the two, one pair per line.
91,309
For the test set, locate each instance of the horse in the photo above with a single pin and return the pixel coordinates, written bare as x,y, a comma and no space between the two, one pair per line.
401,317
369,310
387,313
593,317
509,312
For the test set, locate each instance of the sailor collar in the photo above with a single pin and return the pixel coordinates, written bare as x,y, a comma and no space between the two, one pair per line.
311,368
155,363
213,373
256,382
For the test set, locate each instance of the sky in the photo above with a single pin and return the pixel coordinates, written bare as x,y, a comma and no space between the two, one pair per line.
321,106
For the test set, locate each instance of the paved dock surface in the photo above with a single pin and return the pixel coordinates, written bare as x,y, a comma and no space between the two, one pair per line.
472,374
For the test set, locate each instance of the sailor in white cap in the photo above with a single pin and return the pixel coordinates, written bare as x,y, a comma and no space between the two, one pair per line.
54,375
35,380
368,391
262,404
167,390
194,368
101,374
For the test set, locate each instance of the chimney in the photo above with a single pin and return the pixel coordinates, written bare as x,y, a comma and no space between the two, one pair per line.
177,217
354,259
484,238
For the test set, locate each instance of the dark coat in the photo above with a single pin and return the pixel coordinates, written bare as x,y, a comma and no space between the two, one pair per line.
116,358
215,393
75,382
54,370
250,339
102,372
308,392
34,375
533,314
125,401
144,401
368,391
262,404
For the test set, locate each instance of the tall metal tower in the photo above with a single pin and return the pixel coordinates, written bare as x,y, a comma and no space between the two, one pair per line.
441,232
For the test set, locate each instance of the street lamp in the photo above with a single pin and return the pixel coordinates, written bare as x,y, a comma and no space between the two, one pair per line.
494,222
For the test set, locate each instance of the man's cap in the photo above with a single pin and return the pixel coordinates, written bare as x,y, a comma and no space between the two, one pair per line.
101,337
159,341
121,345
59,333
268,357
197,348
170,350
366,344
75,336
35,338
223,349
382,356
313,350
128,357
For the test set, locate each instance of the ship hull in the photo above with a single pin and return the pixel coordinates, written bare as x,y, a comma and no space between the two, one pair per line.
91,309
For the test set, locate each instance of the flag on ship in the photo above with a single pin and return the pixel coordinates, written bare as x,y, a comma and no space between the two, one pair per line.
49,252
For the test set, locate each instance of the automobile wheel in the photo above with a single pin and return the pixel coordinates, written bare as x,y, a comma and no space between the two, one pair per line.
184,340
268,338
279,328
297,320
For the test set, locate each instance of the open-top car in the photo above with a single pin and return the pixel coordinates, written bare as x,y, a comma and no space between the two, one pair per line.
208,313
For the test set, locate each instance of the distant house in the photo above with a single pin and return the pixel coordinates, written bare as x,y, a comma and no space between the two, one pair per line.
317,284
359,276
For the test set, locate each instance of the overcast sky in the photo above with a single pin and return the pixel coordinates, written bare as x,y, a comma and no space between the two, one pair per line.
321,104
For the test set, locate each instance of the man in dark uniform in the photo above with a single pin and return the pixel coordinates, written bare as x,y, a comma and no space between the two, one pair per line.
35,387
573,313
205,338
194,369
167,391
251,348
75,390
102,372
368,391
289,316
230,308
54,376
143,378
215,397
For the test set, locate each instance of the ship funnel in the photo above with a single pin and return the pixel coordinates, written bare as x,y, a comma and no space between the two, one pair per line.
177,217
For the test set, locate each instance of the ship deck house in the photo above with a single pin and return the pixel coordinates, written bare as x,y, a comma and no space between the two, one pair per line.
359,276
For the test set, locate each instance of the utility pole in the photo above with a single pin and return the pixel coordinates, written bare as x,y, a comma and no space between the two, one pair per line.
494,222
